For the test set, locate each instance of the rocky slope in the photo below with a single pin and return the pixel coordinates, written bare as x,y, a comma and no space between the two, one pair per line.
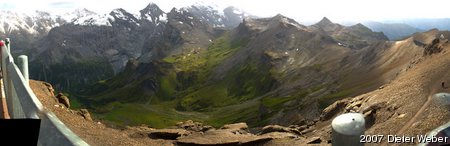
405,105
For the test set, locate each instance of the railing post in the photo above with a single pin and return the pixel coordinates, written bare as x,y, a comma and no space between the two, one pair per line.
5,113
23,65
347,129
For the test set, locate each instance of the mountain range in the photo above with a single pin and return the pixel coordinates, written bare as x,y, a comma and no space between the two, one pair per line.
197,63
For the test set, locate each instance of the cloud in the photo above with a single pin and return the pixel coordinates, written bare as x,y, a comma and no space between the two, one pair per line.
63,4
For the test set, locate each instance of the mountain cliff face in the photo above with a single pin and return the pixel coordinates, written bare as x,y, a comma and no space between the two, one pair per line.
103,43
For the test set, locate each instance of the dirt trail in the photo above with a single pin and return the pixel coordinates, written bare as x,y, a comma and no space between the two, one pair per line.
441,75
418,113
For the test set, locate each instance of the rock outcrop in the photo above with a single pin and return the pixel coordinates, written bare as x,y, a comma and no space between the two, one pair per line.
434,47
196,133
62,99
85,114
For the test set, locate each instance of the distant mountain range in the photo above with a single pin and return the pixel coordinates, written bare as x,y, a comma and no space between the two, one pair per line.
399,29
394,31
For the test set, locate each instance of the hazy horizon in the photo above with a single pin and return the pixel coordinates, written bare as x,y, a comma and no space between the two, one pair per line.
307,12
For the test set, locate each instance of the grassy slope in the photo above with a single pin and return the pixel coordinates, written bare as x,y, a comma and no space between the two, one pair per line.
191,90
185,91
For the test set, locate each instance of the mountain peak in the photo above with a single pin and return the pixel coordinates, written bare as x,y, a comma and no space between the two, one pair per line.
152,8
123,16
153,13
327,26
360,26
85,17
278,16
325,21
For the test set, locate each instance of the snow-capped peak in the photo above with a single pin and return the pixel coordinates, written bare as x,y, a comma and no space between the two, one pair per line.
210,6
86,17
153,14
15,21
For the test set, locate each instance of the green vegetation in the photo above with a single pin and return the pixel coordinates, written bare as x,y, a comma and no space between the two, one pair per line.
158,116
179,87
327,100
182,86
331,98
81,73
237,113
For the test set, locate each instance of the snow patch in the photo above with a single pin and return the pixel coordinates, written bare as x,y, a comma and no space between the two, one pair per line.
163,18
221,25
86,17
237,12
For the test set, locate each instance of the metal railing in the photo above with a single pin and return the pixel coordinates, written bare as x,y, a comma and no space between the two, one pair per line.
22,103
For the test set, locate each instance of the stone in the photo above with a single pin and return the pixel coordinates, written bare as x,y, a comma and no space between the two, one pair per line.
63,100
373,106
194,126
85,114
303,127
314,140
274,128
169,134
50,88
222,137
279,135
333,109
237,128
307,130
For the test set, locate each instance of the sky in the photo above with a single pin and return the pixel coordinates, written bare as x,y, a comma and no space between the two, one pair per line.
300,10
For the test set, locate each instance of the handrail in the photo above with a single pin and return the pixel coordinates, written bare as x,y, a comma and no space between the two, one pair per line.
23,103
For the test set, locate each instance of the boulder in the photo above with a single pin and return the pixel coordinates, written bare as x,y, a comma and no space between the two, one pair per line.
85,114
237,128
50,89
373,106
275,128
64,100
194,126
333,109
